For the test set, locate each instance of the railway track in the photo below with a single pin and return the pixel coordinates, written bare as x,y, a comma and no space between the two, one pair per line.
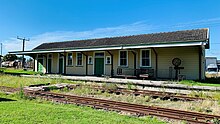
8,89
153,94
137,92
139,110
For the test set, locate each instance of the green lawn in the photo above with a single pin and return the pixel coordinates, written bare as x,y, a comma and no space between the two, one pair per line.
37,111
16,81
19,71
194,83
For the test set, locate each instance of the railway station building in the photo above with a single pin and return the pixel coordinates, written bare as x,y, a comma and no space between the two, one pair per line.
166,55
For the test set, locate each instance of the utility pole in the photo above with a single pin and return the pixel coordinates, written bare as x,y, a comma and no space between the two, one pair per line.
23,40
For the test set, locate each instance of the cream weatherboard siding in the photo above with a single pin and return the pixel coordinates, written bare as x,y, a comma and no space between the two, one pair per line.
75,69
55,63
188,55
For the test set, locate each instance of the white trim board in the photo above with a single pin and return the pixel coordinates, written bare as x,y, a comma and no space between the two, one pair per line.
114,48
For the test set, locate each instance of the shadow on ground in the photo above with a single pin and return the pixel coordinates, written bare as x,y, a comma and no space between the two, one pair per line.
5,100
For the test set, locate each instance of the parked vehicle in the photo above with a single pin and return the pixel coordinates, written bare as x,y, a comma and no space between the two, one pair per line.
212,69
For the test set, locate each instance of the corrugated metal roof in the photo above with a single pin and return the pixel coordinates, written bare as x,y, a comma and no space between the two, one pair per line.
164,37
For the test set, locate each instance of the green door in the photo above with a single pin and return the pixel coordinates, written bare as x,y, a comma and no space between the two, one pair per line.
99,66
60,65
49,65
40,65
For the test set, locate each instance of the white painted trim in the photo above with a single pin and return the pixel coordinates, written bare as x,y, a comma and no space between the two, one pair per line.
106,60
77,58
119,56
67,59
32,52
164,45
141,57
113,48
62,51
88,60
95,49
94,61
208,33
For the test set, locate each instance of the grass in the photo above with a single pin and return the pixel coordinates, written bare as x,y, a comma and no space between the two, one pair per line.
195,83
19,71
205,106
38,111
16,81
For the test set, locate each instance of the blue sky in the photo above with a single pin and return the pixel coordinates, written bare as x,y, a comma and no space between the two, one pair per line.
60,20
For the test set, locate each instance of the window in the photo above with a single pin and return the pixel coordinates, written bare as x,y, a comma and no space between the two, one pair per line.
145,58
108,60
79,59
123,58
90,60
69,59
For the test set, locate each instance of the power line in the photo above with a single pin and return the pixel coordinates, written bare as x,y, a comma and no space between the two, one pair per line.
23,40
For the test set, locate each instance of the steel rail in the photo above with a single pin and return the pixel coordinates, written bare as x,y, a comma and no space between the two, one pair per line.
192,117
146,92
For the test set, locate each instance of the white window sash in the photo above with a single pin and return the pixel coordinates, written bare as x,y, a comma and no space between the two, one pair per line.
141,58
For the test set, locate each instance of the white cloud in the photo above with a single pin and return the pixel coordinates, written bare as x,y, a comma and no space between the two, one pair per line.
13,44
135,28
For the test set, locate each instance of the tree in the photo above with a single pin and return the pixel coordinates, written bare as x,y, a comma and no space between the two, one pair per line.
9,57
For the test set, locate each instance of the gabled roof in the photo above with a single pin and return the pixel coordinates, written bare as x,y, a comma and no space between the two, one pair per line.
185,36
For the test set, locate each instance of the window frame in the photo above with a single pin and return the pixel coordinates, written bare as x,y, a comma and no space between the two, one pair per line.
77,59
91,60
68,59
106,60
119,59
141,64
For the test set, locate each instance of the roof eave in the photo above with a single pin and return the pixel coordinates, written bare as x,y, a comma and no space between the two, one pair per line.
196,43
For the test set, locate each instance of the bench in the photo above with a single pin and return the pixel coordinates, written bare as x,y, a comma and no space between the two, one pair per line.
125,73
145,73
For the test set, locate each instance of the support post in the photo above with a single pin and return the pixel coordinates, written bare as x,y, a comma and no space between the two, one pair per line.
112,68
200,63
86,62
135,64
46,63
37,63
64,57
34,57
156,56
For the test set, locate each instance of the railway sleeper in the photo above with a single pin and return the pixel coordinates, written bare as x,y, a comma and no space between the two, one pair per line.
96,103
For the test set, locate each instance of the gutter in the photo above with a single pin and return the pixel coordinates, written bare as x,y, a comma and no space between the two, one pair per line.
196,43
